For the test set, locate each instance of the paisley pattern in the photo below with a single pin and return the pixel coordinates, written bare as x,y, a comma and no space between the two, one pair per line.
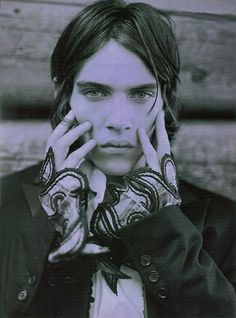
144,192
64,199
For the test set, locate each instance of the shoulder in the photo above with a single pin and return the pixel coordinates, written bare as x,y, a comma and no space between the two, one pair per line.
13,181
214,208
215,217
215,203
14,210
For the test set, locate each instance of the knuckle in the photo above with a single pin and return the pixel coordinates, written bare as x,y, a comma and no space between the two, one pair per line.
60,144
50,142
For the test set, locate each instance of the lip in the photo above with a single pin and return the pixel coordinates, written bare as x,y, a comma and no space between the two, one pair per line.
115,150
116,147
119,144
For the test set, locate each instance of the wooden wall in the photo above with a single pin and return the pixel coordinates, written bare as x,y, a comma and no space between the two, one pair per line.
206,34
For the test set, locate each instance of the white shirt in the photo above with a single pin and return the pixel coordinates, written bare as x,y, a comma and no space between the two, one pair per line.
129,301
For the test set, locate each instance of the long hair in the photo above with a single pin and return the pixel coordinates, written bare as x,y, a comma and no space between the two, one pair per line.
141,28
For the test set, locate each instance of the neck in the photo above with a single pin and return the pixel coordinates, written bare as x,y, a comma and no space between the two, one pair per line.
115,179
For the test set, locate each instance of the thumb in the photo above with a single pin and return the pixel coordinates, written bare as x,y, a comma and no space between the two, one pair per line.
140,163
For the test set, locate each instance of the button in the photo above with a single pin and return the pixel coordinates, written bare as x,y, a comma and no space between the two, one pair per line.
22,295
32,280
145,260
163,293
92,299
154,276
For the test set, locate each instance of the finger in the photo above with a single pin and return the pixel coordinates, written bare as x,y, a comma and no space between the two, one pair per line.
74,242
76,156
163,144
148,150
89,249
94,249
97,183
74,134
61,129
140,163
62,145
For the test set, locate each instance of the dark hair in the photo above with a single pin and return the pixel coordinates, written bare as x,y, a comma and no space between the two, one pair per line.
141,28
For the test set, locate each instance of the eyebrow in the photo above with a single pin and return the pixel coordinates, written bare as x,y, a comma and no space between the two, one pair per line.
85,84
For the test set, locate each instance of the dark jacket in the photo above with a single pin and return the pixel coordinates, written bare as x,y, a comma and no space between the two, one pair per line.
186,257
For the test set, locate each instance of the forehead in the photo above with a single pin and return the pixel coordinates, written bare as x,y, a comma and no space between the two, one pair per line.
114,64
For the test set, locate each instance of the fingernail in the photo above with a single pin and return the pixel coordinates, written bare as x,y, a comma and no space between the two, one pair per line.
52,258
69,115
104,249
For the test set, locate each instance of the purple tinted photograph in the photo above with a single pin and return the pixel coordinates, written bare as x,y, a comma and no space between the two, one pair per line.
118,159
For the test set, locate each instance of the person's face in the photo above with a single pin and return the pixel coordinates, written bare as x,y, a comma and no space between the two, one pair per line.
115,91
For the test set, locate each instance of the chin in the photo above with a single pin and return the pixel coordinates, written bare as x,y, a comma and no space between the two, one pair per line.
118,167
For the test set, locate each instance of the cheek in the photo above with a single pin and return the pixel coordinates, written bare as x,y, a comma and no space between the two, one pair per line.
151,117
148,122
80,108
85,112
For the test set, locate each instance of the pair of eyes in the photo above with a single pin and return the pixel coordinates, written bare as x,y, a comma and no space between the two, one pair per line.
95,94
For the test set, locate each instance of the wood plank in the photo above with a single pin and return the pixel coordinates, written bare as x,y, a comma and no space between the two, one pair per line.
27,87
206,43
208,63
38,17
207,6
205,151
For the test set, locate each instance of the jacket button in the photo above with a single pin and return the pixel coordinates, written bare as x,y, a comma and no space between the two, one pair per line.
32,280
22,295
145,260
154,276
163,293
91,299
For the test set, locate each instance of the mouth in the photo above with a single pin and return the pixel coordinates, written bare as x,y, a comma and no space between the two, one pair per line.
117,144
116,147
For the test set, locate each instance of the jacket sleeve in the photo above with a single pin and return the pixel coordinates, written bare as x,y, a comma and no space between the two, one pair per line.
24,246
180,277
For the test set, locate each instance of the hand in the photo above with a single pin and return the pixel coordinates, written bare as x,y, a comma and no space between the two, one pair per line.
163,172
65,190
64,135
146,190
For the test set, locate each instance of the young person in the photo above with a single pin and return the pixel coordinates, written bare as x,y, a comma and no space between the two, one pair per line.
107,230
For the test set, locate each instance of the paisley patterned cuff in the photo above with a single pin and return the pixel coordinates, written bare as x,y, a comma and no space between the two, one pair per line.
64,197
145,191
153,189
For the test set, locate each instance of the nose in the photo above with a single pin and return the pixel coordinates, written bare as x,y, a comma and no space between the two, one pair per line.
118,117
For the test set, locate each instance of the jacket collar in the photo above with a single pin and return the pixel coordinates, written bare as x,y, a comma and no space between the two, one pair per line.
32,196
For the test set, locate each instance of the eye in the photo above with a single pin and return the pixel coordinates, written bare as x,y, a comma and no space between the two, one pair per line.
94,93
141,96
